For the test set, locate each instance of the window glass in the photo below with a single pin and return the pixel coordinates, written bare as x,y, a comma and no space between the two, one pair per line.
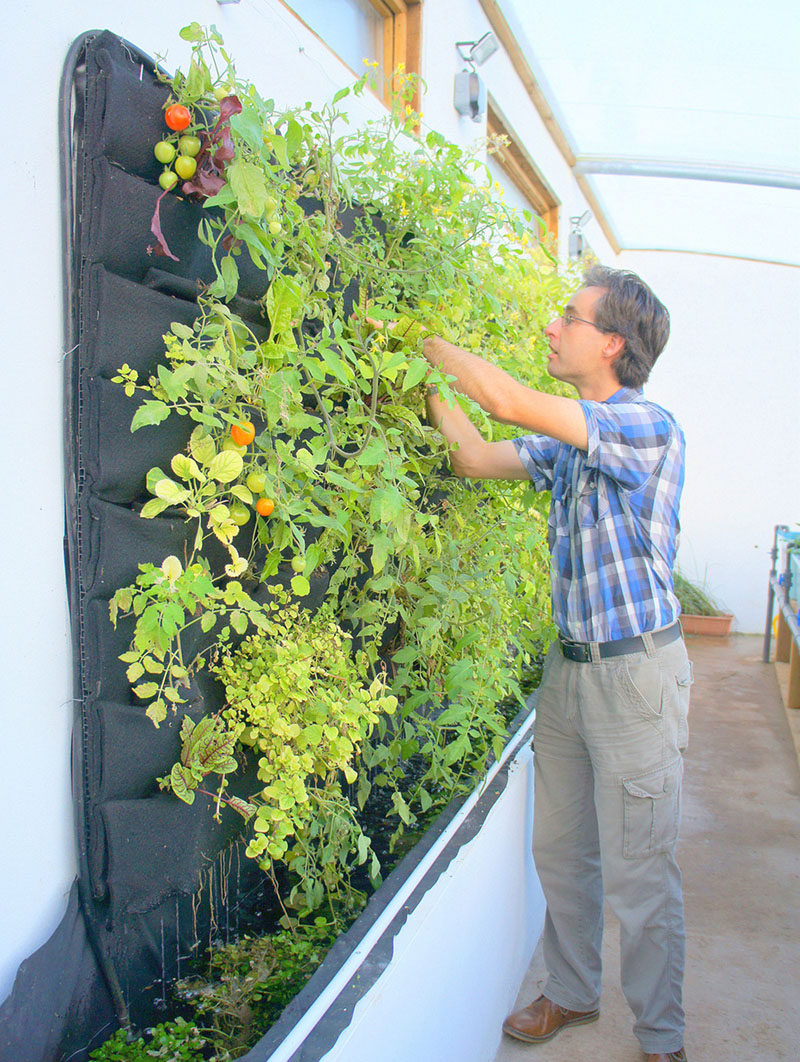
351,28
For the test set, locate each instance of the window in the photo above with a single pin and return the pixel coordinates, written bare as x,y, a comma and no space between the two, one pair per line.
382,31
520,169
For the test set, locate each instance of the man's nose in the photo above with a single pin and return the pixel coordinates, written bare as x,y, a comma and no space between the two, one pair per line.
551,330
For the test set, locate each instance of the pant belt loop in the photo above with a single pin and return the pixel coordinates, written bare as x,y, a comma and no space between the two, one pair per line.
594,650
649,644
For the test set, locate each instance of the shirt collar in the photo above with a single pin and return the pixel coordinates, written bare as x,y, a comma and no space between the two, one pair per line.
626,394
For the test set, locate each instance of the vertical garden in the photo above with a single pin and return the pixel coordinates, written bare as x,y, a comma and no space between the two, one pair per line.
296,632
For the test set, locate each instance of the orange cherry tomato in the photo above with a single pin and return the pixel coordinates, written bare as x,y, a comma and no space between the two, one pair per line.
243,433
265,506
178,117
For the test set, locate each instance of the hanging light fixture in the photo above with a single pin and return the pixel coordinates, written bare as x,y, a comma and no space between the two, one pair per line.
469,91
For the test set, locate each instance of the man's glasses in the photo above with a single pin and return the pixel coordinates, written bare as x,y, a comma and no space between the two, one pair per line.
568,318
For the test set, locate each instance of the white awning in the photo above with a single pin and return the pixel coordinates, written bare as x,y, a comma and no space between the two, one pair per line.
683,119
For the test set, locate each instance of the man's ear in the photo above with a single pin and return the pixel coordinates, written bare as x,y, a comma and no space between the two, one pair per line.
615,345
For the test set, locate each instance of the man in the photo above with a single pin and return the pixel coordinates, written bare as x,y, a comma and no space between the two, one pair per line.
611,716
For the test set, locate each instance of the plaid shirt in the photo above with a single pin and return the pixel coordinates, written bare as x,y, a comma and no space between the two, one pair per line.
613,526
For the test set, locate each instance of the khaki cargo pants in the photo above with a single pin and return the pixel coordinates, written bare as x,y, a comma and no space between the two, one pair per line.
608,739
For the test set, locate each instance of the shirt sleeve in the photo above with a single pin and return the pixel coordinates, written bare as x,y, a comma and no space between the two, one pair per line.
628,440
538,456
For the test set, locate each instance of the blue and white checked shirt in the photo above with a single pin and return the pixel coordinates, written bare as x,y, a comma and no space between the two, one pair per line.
613,526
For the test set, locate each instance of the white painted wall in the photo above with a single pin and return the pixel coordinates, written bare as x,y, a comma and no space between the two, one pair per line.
731,375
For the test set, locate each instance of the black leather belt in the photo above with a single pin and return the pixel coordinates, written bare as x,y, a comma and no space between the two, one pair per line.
582,651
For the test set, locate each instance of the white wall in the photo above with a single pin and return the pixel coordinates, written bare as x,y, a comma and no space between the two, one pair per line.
731,375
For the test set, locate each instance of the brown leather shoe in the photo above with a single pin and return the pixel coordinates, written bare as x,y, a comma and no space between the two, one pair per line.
672,1056
542,1019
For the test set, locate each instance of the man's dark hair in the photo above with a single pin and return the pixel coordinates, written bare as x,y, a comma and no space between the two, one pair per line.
630,309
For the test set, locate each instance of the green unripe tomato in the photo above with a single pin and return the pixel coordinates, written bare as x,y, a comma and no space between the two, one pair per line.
299,564
164,152
185,167
257,483
189,145
274,227
240,514
229,444
168,179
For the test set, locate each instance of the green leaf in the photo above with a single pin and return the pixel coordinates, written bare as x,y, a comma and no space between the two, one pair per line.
243,807
201,446
182,783
154,507
417,371
300,585
229,272
134,672
145,690
226,466
157,712
247,124
186,468
149,413
170,491
283,302
294,137
238,490
192,32
249,185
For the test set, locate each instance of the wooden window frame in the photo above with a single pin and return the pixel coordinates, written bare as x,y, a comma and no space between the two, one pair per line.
402,40
514,160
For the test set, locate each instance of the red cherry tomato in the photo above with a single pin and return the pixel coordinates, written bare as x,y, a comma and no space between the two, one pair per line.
178,117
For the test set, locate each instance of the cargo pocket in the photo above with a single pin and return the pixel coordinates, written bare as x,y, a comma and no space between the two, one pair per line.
652,811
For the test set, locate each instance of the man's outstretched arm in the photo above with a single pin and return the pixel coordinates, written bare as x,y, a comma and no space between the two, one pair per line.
504,398
471,456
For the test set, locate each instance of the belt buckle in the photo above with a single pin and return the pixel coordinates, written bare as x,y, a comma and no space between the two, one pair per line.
578,651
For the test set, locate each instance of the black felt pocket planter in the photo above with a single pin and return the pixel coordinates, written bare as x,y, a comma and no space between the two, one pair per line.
128,105
117,460
125,322
133,752
116,231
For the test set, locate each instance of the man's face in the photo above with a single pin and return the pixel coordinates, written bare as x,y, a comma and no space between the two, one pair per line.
576,346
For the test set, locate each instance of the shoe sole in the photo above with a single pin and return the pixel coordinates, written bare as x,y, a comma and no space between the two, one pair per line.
585,1020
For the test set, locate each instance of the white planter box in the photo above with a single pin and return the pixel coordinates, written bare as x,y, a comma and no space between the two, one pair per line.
433,965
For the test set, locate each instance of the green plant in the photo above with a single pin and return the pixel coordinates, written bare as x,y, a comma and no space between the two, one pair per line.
443,584
171,1041
298,696
695,600
247,984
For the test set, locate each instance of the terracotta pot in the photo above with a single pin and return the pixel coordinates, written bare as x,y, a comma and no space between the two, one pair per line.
716,626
